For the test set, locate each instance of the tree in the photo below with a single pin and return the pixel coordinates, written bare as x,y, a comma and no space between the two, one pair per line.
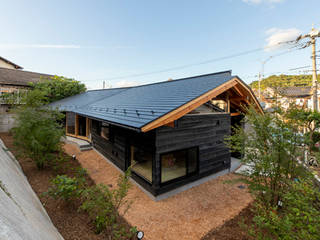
273,148
57,87
38,132
283,81
308,119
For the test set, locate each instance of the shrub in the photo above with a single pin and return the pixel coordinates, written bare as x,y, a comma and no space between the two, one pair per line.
272,148
37,133
287,203
103,206
66,188
298,218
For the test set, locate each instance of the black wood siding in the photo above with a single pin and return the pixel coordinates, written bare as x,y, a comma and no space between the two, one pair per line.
118,148
115,150
206,131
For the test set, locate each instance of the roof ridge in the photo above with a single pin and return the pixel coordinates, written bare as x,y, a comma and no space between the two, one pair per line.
181,79
106,89
163,82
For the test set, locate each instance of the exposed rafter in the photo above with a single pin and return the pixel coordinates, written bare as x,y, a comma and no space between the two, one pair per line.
188,107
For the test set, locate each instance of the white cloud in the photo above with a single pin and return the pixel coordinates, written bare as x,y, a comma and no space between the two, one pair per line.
126,83
277,35
262,1
19,46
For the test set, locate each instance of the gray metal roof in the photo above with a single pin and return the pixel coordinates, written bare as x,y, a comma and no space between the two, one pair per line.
137,106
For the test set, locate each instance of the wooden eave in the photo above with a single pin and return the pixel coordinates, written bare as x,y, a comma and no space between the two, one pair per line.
235,83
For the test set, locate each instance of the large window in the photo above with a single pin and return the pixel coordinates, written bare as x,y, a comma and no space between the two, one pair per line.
141,163
77,126
178,164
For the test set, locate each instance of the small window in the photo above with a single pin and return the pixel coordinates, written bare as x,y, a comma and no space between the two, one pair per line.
105,130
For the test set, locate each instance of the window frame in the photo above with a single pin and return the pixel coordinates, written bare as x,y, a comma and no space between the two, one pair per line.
152,160
111,134
76,134
196,172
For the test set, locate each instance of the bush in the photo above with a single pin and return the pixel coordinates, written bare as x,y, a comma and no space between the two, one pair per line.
287,203
272,148
37,133
66,188
103,206
58,87
298,218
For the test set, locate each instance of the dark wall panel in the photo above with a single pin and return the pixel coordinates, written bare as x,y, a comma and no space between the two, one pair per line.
118,149
207,131
114,150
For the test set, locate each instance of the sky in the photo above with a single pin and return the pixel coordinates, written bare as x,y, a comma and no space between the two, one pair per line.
127,43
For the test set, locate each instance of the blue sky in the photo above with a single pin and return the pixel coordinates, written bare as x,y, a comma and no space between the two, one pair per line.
98,40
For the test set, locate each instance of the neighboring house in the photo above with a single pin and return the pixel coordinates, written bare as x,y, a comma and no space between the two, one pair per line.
301,96
4,63
170,133
15,80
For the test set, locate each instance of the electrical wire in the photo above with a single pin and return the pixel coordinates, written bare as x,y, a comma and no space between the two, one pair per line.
199,63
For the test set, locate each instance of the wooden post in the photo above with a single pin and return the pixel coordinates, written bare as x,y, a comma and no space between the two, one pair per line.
228,103
87,127
76,125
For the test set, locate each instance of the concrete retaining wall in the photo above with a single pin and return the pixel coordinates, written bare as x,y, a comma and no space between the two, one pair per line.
22,216
6,121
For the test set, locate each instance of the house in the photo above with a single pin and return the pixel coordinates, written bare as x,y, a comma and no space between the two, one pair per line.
5,63
14,80
299,95
170,133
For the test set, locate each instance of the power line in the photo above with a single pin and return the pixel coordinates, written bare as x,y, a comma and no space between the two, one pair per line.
197,64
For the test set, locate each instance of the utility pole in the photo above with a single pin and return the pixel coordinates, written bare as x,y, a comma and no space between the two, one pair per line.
312,35
261,74
314,76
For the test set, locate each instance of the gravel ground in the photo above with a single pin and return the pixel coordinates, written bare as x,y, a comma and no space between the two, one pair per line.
188,215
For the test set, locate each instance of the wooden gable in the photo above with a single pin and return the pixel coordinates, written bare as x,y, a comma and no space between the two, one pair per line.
235,92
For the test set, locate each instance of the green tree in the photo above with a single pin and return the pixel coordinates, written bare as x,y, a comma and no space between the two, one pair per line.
273,148
308,119
57,87
37,133
283,81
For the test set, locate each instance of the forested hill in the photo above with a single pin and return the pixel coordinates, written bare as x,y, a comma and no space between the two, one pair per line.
284,81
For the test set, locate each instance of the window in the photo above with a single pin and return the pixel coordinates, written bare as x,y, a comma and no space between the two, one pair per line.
141,163
82,126
71,122
178,164
105,130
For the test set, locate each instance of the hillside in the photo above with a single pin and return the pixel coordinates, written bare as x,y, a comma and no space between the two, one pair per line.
284,81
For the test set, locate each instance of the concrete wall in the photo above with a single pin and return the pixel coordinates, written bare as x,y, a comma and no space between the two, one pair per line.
6,120
22,216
